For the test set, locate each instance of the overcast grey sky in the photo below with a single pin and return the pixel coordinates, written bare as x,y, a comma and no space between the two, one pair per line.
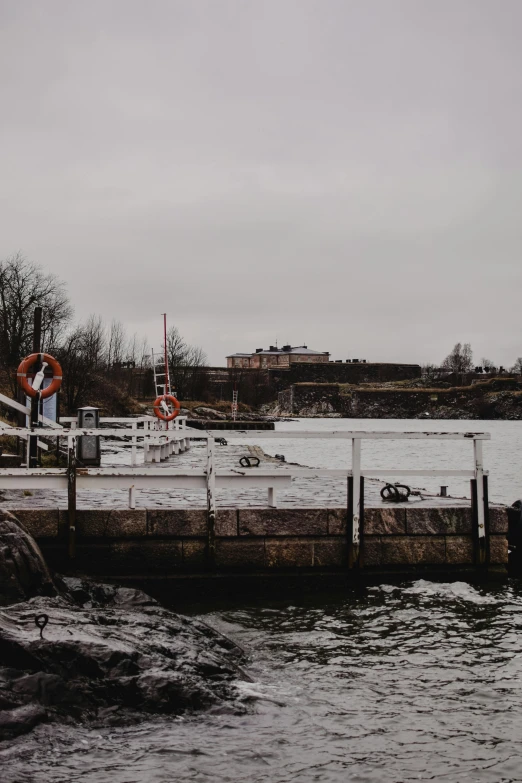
343,173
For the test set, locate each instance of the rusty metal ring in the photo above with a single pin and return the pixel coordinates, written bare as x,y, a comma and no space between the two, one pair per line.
41,621
249,462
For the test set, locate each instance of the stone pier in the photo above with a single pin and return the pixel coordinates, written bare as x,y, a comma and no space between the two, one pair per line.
159,543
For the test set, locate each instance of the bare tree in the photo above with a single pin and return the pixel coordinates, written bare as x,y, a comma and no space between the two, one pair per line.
487,364
186,363
116,343
176,348
460,360
94,357
132,349
93,342
83,360
196,356
143,357
24,286
517,367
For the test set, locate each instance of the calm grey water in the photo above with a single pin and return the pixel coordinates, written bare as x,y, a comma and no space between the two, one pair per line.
420,681
502,454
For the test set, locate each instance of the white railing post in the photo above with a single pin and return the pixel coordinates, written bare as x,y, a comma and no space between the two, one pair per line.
479,477
133,449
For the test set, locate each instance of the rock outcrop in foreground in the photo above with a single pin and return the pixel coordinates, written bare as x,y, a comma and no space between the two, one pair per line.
107,655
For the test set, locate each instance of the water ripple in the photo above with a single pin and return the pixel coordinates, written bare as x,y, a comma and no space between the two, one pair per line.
418,681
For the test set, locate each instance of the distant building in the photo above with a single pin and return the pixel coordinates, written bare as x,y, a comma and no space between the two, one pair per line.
277,357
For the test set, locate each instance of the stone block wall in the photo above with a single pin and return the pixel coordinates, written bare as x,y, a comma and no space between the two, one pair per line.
160,543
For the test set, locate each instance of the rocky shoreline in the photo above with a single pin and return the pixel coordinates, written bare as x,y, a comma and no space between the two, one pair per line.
76,651
496,399
493,399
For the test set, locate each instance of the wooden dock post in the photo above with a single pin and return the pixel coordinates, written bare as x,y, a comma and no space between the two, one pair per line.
355,559
71,496
32,440
355,506
211,503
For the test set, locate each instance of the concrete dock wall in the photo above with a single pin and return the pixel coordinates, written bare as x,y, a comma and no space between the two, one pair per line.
159,543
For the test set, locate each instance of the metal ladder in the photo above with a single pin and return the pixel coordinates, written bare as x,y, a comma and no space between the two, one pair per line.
160,374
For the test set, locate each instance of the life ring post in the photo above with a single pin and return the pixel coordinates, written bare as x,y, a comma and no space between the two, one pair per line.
25,368
34,365
161,408
32,444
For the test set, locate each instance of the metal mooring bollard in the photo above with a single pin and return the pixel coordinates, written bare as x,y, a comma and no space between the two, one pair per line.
444,492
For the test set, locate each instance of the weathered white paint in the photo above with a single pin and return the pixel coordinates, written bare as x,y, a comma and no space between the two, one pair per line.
17,406
25,435
130,420
160,444
479,475
133,449
117,432
418,472
272,502
349,435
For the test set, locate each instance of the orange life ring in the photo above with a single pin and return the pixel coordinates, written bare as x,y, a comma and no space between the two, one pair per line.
175,404
23,371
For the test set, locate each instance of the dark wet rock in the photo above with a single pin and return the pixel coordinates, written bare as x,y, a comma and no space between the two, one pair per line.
88,594
110,663
107,655
23,570
20,720
210,413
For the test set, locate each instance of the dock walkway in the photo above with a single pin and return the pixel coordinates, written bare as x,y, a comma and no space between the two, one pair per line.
319,492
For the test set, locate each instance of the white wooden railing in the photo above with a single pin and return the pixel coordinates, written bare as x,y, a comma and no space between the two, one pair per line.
149,422
356,501
209,478
159,442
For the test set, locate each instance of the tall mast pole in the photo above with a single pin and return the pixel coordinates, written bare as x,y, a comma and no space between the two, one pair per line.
167,379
